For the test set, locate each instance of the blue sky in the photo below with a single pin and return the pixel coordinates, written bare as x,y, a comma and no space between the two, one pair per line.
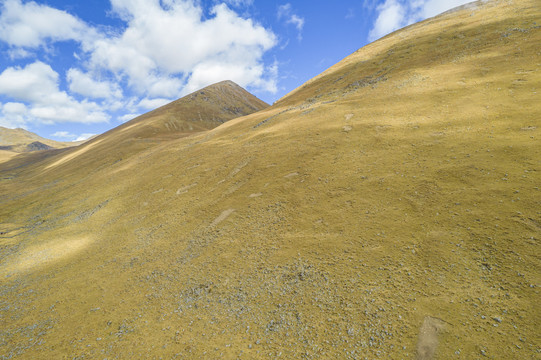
71,69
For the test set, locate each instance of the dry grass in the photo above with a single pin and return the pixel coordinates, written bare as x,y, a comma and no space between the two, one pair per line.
16,141
400,185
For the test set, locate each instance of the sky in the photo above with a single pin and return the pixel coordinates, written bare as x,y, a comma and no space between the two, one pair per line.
72,69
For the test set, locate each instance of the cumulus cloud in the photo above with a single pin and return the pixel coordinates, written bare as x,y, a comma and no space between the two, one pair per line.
128,117
19,53
30,25
37,86
34,83
395,14
84,84
149,104
64,135
285,12
69,111
239,3
226,68
13,115
392,16
84,136
162,45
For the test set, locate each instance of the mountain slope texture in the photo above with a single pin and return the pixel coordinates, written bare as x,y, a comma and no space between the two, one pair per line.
388,208
16,141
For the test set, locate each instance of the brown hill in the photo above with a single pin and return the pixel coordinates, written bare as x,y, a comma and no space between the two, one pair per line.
389,208
202,110
17,141
196,112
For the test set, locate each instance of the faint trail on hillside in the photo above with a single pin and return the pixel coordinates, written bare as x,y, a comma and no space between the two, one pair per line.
428,337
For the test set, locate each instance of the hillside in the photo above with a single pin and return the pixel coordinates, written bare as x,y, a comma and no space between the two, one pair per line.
388,208
16,141
200,111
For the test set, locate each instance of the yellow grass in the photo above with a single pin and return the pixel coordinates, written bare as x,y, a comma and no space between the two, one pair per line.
389,208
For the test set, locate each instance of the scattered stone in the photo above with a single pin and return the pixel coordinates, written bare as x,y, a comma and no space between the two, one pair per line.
483,352
291,175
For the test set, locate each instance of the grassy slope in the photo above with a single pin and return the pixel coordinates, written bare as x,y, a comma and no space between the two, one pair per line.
20,137
197,112
16,141
402,184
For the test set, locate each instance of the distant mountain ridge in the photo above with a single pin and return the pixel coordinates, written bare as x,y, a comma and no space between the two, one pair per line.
17,141
199,111
21,140
33,146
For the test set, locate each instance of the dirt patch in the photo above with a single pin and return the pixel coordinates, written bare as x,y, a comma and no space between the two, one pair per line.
428,337
238,168
185,189
291,175
222,217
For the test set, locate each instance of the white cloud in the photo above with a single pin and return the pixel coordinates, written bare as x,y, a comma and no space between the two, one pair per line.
434,7
64,135
14,108
212,71
83,84
395,14
71,137
285,12
392,16
19,53
164,86
150,104
161,46
84,136
37,85
31,25
128,117
69,111
13,115
239,3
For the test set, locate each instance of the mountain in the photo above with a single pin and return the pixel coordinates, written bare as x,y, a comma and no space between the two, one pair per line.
16,141
202,110
388,208
196,112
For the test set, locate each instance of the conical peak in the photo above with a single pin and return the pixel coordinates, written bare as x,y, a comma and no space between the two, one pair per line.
222,87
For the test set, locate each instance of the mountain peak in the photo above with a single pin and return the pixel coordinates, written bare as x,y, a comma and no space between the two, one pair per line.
201,110
225,82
